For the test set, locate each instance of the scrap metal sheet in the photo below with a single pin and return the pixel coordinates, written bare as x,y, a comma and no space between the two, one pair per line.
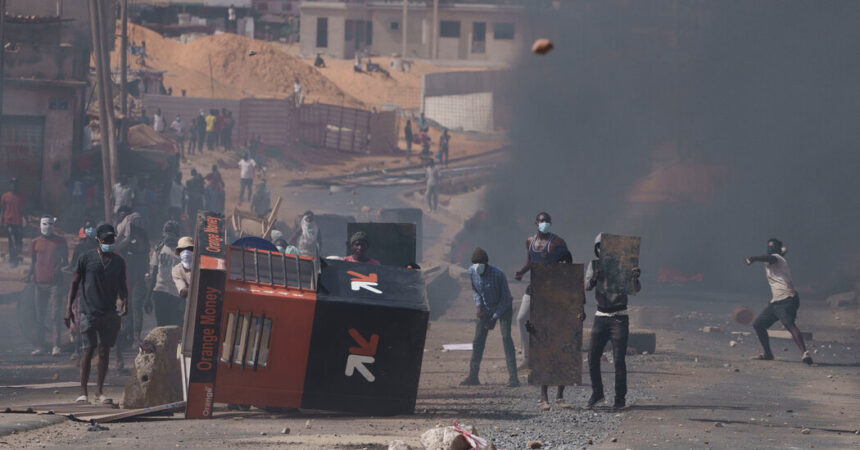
618,256
555,345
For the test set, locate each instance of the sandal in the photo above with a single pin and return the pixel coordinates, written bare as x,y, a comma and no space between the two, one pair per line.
105,400
762,358
562,404
82,400
544,406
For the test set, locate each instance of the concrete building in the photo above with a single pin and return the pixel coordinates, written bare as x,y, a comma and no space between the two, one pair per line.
44,82
475,32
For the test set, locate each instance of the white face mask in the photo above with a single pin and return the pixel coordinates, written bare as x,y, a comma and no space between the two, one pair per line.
46,226
186,257
544,227
479,268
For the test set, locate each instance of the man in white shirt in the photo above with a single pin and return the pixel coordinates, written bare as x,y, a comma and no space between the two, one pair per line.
784,301
158,121
247,166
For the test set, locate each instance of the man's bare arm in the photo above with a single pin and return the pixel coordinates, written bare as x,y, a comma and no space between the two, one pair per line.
73,293
525,268
770,259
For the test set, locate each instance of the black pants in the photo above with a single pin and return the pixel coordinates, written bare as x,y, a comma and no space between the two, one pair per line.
784,311
169,309
245,183
15,234
605,329
480,341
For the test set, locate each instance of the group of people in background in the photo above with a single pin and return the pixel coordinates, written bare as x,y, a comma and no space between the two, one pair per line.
214,129
423,139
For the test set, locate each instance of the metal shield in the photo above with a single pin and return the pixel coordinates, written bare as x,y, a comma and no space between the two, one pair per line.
555,345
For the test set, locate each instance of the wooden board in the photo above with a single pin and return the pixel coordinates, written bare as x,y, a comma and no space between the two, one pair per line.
555,346
95,413
618,256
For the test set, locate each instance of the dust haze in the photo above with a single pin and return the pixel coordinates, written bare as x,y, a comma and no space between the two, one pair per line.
704,127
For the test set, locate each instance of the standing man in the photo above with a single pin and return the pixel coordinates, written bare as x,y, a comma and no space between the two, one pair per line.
218,183
611,323
783,303
308,238
87,242
407,135
231,19
543,247
177,198
444,140
247,166
494,303
194,189
103,277
178,129
200,129
261,203
210,129
12,206
358,244
123,195
431,190
169,307
181,272
298,95
137,257
50,255
158,121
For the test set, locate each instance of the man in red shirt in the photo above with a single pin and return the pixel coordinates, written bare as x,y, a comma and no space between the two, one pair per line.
12,206
50,253
358,243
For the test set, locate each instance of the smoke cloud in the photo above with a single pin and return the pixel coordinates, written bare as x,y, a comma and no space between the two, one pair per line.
704,127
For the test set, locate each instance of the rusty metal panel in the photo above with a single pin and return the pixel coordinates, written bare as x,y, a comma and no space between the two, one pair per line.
618,256
273,120
555,345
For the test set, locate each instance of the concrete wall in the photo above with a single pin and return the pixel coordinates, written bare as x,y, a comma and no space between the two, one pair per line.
387,41
469,112
337,16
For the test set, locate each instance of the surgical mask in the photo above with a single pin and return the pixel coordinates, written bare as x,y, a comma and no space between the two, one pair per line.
479,268
186,257
107,248
544,227
46,227
90,232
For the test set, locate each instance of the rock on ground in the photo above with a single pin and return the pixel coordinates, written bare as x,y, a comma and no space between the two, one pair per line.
157,377
444,438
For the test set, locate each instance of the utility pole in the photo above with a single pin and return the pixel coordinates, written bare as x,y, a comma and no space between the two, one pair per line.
95,33
108,89
404,28
123,75
435,44
3,49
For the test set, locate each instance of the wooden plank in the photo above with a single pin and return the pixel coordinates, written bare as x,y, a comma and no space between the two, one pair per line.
555,345
127,414
618,256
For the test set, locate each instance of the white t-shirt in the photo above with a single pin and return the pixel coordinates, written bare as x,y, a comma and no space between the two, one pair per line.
779,277
165,260
246,168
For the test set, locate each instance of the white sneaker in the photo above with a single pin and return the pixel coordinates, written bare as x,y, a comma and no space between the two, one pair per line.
56,351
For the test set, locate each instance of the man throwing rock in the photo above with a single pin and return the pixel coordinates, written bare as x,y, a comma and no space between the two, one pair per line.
494,303
102,275
784,303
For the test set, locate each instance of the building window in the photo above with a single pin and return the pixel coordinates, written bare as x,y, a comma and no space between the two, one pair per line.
503,30
479,37
322,32
369,32
349,30
449,28
395,26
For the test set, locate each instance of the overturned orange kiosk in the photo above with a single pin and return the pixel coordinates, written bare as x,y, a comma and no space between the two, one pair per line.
277,330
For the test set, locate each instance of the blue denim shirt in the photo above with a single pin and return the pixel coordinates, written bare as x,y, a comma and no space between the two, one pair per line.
491,290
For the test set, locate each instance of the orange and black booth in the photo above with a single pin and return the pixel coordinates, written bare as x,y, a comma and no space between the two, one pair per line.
269,329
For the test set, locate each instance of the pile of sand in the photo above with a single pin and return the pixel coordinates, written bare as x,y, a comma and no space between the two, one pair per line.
271,72
401,88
